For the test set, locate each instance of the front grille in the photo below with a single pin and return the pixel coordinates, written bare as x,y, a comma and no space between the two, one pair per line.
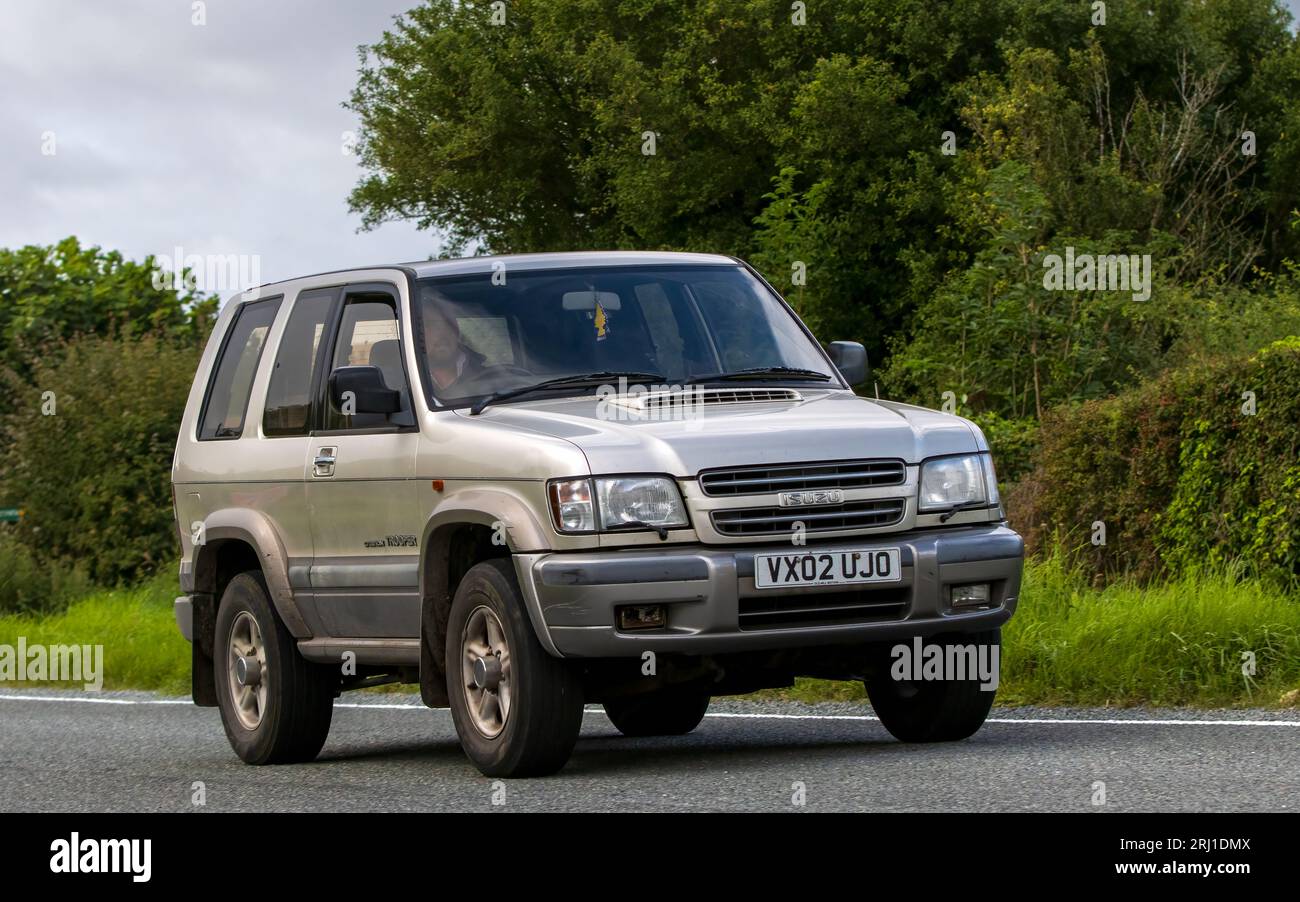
760,521
844,474
823,608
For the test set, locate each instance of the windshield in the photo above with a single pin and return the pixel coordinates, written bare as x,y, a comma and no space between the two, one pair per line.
477,338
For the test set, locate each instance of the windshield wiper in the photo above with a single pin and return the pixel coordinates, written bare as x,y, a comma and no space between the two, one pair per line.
560,382
764,372
958,508
624,525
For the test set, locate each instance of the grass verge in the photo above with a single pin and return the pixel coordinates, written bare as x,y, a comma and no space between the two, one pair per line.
1183,642
143,649
1179,643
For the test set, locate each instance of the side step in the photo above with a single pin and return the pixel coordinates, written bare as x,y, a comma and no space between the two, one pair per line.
403,652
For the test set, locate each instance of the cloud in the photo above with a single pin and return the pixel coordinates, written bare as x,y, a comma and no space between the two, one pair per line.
221,138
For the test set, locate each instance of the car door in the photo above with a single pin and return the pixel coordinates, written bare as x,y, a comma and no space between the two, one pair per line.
364,513
285,438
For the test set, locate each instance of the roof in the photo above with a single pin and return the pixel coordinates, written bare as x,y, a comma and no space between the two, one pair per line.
521,262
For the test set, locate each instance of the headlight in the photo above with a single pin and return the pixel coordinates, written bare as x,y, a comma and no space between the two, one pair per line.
991,475
946,481
652,500
571,506
620,501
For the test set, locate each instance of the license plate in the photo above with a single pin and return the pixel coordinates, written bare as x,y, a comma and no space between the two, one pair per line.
827,568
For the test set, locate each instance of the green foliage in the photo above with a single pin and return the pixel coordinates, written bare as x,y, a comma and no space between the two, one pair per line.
94,476
1217,320
995,333
821,143
1179,470
52,293
28,585
1013,443
1178,643
142,647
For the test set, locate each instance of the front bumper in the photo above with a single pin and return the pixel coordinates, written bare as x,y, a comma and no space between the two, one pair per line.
714,608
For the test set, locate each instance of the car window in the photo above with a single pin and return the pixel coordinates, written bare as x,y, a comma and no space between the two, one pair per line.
232,378
680,323
664,330
737,314
288,399
368,336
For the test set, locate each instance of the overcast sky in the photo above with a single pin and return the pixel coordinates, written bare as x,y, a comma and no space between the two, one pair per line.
224,138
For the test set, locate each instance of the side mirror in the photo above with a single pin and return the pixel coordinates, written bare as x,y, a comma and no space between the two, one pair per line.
368,391
850,358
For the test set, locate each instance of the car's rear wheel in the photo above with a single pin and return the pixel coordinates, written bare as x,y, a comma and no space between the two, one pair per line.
938,710
517,709
276,706
664,712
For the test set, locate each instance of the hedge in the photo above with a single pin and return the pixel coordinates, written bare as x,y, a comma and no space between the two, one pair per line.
88,453
1183,472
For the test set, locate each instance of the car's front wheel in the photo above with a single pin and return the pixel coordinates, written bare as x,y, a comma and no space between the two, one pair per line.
517,709
945,709
276,706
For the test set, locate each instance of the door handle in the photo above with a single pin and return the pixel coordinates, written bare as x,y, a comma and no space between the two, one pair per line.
323,465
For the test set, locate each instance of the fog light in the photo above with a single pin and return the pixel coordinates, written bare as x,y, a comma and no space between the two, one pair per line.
963,596
641,617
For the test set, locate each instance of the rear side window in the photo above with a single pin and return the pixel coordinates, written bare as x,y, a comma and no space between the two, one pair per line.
289,396
232,379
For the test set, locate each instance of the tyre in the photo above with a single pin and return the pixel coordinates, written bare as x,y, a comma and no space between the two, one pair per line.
517,709
276,706
932,710
665,712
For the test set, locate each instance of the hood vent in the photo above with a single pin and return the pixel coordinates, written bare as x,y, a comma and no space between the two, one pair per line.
690,398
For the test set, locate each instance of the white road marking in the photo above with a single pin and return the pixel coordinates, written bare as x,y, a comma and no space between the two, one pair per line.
90,700
87,700
1035,720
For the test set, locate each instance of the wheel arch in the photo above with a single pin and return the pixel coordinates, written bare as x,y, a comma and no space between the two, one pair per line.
472,526
234,540
228,526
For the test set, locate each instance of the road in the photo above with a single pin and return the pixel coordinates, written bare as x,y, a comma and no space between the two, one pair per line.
66,751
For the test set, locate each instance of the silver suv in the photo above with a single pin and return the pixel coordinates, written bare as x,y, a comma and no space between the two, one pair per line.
533,482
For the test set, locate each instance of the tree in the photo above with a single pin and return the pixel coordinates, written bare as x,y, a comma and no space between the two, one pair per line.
817,145
95,367
56,292
591,123
89,450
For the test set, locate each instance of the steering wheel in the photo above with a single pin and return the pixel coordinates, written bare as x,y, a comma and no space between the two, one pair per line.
496,378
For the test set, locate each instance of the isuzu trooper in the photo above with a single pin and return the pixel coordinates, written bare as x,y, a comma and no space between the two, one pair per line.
533,483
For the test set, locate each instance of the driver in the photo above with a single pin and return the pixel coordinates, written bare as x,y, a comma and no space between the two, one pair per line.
451,363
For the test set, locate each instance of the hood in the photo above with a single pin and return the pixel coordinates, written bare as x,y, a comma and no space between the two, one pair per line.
821,425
